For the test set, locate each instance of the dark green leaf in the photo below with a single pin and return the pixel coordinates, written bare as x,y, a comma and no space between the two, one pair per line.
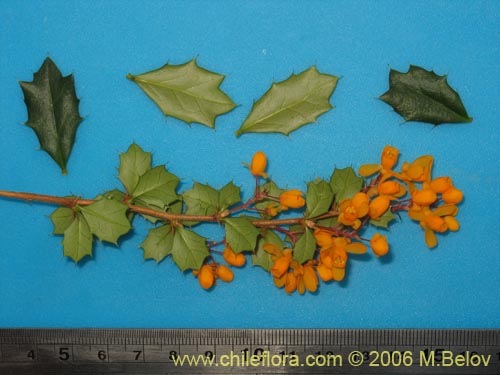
156,187
186,92
422,95
53,111
133,164
260,257
107,219
319,198
189,249
305,247
290,104
159,243
384,220
241,234
77,242
345,183
62,219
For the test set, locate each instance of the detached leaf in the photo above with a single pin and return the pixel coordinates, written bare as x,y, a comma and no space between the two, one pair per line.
241,234
62,218
421,95
133,164
345,183
156,187
319,198
384,220
159,243
305,247
290,104
107,219
262,258
53,111
77,242
186,92
189,249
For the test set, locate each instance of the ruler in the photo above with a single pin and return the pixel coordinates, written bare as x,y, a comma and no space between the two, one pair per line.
249,351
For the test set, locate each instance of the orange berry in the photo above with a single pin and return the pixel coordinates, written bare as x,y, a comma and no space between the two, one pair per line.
453,196
292,198
259,164
310,279
379,244
436,223
378,206
389,187
206,276
224,273
233,259
441,184
424,197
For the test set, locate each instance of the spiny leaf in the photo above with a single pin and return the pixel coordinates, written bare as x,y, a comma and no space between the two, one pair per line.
305,247
156,187
53,111
186,92
133,164
201,200
262,258
319,198
230,194
290,104
422,95
345,183
158,243
62,218
205,200
241,234
384,220
107,219
77,242
189,249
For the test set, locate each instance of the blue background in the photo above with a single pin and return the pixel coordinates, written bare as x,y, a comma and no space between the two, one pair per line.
252,43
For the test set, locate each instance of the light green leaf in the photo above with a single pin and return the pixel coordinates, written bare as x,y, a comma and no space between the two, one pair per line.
271,189
77,242
384,220
345,183
156,187
201,200
159,243
189,249
305,247
186,92
230,194
422,95
107,219
319,198
290,104
260,257
53,111
62,219
241,234
133,164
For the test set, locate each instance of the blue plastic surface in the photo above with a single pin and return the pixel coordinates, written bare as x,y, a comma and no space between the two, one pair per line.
252,43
